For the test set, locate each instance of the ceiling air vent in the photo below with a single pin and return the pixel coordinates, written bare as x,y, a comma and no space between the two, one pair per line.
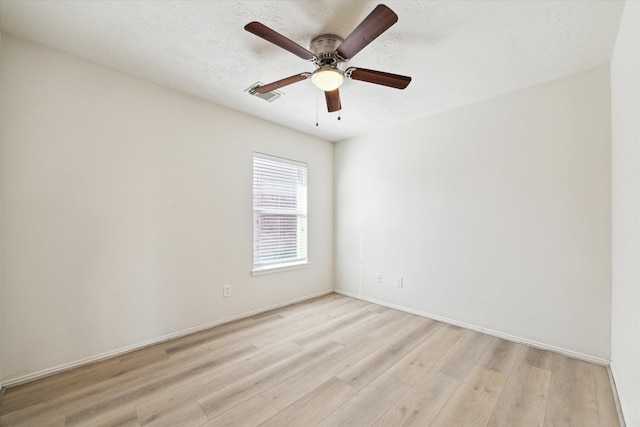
269,96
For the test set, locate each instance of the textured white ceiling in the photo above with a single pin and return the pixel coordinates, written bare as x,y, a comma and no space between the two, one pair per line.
457,52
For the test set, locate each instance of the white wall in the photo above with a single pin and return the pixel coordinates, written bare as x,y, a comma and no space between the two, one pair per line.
1,155
127,206
625,106
497,215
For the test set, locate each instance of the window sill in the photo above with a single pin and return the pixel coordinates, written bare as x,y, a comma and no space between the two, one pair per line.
279,267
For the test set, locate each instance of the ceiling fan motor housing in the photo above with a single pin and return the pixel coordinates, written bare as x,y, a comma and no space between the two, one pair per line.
324,47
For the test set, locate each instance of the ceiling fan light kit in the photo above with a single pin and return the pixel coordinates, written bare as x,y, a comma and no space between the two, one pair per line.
327,79
328,51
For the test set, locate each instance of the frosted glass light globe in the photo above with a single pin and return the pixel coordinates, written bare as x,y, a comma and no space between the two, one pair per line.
327,79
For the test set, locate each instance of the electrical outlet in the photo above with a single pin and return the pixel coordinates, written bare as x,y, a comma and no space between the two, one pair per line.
379,278
226,291
399,282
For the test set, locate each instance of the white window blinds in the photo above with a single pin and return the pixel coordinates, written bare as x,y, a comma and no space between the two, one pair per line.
279,212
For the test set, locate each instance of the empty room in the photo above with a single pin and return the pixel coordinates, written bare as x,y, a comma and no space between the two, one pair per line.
320,212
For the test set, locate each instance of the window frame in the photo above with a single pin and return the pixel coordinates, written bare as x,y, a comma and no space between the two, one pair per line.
260,264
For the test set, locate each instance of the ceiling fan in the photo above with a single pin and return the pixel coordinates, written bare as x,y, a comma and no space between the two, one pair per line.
329,51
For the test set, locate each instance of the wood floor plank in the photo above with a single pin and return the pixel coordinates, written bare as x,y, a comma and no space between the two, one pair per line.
463,354
335,327
420,405
13,420
189,415
472,403
313,306
332,360
173,396
233,330
394,326
223,399
383,316
422,358
158,378
125,383
572,400
288,391
121,416
249,413
314,406
323,313
31,393
365,371
524,398
368,405
147,388
310,324
539,358
500,355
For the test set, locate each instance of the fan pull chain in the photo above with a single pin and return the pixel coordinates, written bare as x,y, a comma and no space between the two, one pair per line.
317,108
339,118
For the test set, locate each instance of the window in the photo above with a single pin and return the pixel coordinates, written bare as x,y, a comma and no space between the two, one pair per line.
279,213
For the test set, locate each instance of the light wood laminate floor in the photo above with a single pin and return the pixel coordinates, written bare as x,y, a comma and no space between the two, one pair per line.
330,361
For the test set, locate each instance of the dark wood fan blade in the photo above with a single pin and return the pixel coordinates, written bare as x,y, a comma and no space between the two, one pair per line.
333,100
283,82
378,77
278,39
378,21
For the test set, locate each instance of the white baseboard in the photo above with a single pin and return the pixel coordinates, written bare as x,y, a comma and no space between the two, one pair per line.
78,363
508,337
